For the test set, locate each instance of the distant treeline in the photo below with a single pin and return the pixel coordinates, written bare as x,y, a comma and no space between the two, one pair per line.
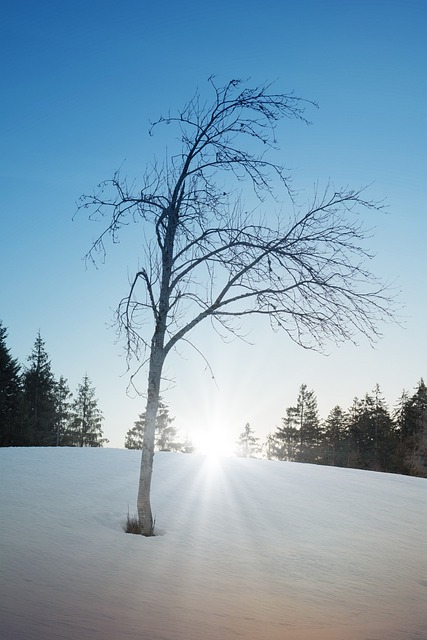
366,436
36,410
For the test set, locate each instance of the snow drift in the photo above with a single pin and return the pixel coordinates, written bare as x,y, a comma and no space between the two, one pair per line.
247,549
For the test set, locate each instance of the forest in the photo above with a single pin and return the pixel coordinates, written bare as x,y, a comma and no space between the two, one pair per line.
365,436
38,410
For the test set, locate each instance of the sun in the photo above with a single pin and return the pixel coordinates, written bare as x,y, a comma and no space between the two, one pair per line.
215,443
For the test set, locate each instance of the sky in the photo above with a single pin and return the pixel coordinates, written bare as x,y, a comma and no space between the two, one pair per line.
244,548
82,80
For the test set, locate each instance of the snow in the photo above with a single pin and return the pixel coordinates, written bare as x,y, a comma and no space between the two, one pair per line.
247,549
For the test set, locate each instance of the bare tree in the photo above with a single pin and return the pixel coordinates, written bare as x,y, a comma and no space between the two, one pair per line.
204,256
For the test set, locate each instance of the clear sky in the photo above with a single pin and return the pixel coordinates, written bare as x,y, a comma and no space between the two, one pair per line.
81,80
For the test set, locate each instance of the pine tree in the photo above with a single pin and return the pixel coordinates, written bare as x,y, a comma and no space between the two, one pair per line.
308,424
135,434
385,437
285,442
247,444
401,418
273,447
85,426
10,397
39,398
372,434
187,446
63,397
414,432
166,433
355,434
299,437
335,438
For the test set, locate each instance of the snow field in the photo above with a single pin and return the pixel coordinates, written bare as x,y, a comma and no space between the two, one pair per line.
247,549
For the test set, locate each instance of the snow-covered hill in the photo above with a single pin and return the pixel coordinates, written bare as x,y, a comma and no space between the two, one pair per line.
247,549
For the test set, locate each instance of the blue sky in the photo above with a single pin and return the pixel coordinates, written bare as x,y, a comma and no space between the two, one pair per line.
81,80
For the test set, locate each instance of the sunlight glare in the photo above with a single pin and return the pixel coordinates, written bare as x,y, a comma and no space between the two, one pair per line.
215,444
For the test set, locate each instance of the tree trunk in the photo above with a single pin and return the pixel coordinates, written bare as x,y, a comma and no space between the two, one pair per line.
143,502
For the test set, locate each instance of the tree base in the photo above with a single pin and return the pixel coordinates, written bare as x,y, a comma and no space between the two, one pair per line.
133,526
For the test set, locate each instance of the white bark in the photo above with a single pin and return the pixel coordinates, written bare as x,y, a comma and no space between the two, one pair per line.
143,502
157,358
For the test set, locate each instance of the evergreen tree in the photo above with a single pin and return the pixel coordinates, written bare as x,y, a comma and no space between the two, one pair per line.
135,434
166,433
372,434
187,446
63,397
285,442
10,396
247,444
273,447
309,426
85,426
299,437
39,398
385,437
355,434
401,418
335,438
414,432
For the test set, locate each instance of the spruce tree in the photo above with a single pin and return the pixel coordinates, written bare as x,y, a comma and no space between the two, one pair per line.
309,426
63,397
355,434
414,432
187,446
135,434
372,435
401,418
85,425
39,398
299,437
273,447
285,442
10,397
166,433
335,438
385,438
247,444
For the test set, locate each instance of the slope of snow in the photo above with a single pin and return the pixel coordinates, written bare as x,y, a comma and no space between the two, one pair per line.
247,549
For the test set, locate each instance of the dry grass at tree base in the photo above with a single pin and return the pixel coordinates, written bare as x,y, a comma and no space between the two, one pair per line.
133,526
